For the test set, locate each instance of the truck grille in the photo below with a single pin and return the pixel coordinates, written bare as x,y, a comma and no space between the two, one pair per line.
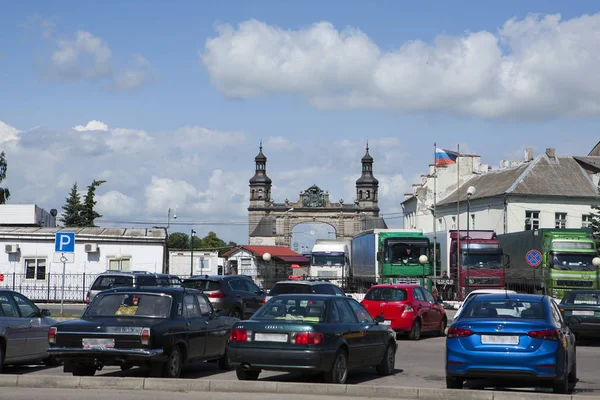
327,274
484,281
571,283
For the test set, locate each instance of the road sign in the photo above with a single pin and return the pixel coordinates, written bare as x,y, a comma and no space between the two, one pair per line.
1,277
68,258
533,258
64,242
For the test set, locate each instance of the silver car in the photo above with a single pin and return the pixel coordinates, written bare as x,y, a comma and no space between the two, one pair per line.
23,330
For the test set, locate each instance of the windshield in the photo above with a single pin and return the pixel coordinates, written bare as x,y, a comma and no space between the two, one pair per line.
481,260
405,252
327,259
572,262
290,288
202,284
112,281
130,304
293,309
585,298
499,309
386,294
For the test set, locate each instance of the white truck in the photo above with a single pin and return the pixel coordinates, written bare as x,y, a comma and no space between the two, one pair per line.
330,260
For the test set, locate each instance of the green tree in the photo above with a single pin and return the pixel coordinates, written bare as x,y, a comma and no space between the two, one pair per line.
4,192
71,215
179,240
88,213
211,241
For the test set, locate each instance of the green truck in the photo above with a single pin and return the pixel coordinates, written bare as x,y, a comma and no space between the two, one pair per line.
569,260
391,256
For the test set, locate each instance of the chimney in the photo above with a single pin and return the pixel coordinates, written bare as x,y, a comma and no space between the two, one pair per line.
551,153
528,154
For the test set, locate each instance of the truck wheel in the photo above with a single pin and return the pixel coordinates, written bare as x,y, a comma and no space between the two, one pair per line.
415,332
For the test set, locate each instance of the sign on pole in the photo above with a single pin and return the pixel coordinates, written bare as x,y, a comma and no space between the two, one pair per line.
64,247
533,258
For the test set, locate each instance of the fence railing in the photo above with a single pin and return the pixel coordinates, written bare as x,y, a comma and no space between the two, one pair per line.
50,289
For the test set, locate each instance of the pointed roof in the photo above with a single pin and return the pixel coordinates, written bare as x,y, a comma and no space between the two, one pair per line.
260,157
367,157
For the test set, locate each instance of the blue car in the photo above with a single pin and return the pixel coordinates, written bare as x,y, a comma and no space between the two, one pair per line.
519,338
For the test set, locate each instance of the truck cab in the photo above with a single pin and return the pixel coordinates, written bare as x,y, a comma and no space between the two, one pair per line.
331,261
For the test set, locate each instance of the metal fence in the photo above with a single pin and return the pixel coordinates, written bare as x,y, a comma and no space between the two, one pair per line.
50,289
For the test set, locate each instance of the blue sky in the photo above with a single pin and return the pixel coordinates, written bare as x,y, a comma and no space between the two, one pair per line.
183,91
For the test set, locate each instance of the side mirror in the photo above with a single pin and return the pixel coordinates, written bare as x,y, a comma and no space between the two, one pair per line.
45,313
379,319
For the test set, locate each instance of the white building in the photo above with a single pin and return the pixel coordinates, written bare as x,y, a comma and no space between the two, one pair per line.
546,191
26,215
205,263
28,263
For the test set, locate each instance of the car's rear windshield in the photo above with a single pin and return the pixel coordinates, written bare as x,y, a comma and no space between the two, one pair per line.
292,309
202,284
504,309
585,299
386,294
166,281
289,288
130,304
112,281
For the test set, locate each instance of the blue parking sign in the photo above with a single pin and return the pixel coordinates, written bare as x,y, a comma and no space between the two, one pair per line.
64,242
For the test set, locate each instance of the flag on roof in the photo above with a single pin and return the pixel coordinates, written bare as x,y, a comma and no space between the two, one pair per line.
445,157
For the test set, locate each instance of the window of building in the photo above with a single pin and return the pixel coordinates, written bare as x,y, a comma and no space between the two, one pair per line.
245,266
260,193
360,195
586,221
472,221
560,220
532,220
368,194
440,224
121,264
454,223
35,268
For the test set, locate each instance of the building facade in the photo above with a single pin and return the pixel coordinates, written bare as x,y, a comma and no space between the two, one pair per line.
26,215
205,263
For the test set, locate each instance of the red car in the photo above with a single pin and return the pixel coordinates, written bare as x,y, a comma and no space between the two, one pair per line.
408,309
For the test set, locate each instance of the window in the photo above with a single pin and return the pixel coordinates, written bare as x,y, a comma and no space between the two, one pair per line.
439,224
472,221
361,313
260,193
246,266
238,284
502,309
418,295
35,268
338,291
323,289
205,308
346,314
122,264
453,222
532,220
428,296
561,220
191,307
252,287
586,221
26,307
7,310
109,282
368,195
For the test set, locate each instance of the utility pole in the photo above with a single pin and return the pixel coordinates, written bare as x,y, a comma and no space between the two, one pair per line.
192,252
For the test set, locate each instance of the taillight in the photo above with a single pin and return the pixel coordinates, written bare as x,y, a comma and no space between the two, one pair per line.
306,338
546,334
408,308
87,298
458,332
216,295
562,311
52,335
240,335
264,300
145,336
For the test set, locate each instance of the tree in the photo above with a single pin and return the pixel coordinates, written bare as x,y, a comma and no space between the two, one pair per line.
72,208
179,241
88,213
4,192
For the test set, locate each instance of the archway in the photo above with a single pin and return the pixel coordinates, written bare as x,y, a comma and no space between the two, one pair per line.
305,235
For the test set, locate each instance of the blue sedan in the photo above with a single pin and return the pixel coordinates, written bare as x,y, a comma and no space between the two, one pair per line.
521,338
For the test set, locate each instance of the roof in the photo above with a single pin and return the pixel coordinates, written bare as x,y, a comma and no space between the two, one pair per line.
591,161
157,234
563,177
264,228
152,289
280,252
303,282
596,150
215,277
511,296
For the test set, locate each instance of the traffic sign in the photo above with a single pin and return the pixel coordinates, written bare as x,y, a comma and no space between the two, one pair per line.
533,258
64,242
68,258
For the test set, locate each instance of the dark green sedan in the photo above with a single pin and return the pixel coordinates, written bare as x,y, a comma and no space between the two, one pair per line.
312,333
581,310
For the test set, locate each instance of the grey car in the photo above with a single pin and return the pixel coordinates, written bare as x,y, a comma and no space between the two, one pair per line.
115,279
23,331
234,295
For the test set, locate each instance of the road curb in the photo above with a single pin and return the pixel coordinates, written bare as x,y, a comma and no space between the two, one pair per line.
227,386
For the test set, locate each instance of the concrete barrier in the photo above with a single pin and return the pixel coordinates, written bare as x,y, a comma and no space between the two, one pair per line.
234,386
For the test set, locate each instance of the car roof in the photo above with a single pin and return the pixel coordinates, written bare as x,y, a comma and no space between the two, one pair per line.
394,286
304,283
310,296
131,273
215,277
152,289
509,296
491,291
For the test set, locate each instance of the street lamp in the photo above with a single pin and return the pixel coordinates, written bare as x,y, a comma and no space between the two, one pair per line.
171,211
470,192
423,260
192,252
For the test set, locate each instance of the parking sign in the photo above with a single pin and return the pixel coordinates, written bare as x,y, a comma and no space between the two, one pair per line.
64,242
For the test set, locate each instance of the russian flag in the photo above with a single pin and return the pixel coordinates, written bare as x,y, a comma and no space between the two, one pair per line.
445,157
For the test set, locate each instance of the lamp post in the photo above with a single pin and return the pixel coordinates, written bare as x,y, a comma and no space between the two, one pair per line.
423,260
192,252
470,192
169,212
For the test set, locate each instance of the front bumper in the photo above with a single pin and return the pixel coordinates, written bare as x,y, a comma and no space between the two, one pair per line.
107,356
281,360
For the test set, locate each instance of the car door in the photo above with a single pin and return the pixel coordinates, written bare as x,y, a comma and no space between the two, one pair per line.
375,337
241,294
352,332
433,315
567,337
15,329
216,329
196,327
37,337
419,305
255,297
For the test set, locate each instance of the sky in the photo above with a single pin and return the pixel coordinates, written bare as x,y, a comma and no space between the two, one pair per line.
168,100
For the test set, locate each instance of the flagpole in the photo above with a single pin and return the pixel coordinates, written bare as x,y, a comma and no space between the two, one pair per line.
458,252
434,215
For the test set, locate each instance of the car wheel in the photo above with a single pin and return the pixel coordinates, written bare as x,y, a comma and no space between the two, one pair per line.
573,377
562,386
244,375
172,367
454,383
388,362
442,330
236,313
339,370
84,370
224,361
415,332
1,356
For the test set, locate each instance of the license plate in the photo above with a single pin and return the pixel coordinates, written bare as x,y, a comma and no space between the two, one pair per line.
587,313
387,322
98,343
270,337
499,339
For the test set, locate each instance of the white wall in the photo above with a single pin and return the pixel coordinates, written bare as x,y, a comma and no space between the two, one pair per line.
205,262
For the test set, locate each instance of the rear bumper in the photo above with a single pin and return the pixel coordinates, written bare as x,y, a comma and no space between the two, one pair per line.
587,329
107,356
281,360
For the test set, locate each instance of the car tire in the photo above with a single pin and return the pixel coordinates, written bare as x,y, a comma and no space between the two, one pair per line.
562,386
454,383
244,375
236,313
572,379
339,370
174,364
388,362
224,362
415,331
84,370
1,356
442,329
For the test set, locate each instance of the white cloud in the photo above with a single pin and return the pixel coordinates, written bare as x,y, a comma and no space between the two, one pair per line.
279,143
538,67
115,203
92,126
164,193
128,140
197,135
8,133
226,193
85,56
135,76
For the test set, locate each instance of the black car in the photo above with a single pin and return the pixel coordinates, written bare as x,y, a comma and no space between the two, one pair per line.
154,327
305,286
114,279
317,333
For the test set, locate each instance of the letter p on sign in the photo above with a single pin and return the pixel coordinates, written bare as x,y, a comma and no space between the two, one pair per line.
64,242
